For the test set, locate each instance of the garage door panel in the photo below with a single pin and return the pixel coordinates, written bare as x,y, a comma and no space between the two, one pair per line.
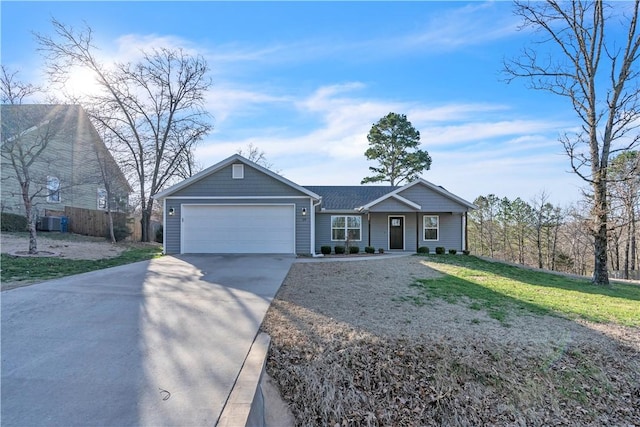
238,229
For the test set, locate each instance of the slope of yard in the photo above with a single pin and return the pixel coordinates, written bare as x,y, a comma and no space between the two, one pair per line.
453,340
71,254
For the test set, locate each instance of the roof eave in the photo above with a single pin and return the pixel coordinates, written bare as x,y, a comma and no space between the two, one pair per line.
226,162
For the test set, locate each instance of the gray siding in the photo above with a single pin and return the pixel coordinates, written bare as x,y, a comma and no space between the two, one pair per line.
431,201
450,232
380,230
70,156
172,227
221,184
323,231
392,205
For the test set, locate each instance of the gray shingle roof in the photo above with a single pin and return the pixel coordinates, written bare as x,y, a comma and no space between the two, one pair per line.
349,197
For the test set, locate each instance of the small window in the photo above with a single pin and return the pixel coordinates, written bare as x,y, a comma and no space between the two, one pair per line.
102,199
342,226
53,189
431,227
238,171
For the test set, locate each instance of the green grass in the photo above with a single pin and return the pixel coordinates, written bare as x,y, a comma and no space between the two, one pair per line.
29,269
503,290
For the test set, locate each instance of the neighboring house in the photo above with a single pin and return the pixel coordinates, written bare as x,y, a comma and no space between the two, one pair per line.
67,173
237,206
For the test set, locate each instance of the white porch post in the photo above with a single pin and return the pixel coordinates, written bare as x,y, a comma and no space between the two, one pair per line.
312,218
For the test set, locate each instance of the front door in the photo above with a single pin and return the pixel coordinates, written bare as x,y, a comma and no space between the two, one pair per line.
396,232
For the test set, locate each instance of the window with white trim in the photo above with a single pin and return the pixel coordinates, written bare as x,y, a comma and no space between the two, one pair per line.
53,189
431,224
102,199
345,225
237,171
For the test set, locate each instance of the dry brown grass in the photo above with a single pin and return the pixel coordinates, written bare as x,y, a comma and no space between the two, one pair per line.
348,351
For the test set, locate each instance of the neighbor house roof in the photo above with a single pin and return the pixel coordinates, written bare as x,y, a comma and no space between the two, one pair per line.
349,197
21,119
18,119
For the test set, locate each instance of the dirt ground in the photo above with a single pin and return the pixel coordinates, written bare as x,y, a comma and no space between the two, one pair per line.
349,348
66,245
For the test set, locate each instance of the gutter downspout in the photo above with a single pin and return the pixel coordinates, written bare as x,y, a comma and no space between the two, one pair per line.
417,231
466,231
164,226
313,226
369,228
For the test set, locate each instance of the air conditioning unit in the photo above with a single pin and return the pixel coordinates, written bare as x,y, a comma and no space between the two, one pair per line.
49,223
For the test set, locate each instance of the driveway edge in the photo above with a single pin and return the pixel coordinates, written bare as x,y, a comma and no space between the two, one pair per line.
245,405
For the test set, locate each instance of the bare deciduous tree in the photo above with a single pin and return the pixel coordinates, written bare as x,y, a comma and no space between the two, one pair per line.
596,69
26,134
625,197
256,155
154,108
13,90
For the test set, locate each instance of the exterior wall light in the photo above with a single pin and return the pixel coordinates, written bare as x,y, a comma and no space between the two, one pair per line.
171,211
304,211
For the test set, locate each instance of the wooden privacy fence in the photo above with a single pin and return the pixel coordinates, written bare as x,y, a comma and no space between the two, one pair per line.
95,223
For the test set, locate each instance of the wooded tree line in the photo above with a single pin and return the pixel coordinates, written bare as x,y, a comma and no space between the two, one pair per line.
540,234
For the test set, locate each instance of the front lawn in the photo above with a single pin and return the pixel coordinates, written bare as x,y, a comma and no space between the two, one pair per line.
501,289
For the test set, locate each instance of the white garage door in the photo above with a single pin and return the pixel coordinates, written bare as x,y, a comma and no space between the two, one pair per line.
238,229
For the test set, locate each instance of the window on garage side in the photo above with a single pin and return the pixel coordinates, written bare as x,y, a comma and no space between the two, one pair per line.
346,225
431,225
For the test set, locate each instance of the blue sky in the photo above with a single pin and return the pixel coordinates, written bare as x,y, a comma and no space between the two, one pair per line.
304,82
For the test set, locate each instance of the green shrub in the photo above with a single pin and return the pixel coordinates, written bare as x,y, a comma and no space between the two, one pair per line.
354,249
452,251
423,250
13,222
466,252
440,250
159,234
380,250
325,250
370,249
338,249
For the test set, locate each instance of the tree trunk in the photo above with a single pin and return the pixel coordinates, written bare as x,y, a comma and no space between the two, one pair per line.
633,239
31,221
627,247
539,244
33,238
112,235
145,223
600,271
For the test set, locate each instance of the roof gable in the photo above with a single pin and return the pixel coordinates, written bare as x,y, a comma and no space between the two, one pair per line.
226,163
400,194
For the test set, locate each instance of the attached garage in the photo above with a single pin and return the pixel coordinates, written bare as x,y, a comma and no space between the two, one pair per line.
238,207
238,228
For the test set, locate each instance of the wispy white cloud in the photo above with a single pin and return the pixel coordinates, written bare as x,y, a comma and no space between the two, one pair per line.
470,157
488,129
130,47
469,25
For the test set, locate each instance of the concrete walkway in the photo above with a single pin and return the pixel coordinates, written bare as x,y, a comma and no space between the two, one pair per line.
156,343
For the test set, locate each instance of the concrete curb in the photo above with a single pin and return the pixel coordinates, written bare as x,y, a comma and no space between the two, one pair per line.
245,405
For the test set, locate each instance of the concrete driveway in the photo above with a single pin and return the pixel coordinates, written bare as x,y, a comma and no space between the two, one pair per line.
156,343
